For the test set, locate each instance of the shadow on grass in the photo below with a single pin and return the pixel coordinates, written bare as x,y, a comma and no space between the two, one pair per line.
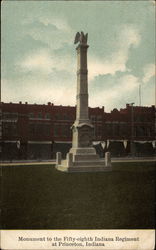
40,197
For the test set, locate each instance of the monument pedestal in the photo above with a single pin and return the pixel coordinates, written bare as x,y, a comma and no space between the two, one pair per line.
82,156
84,167
85,160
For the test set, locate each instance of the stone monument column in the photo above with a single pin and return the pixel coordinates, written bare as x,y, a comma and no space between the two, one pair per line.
82,127
82,84
82,156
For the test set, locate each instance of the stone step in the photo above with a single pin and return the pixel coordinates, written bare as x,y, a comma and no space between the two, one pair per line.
89,163
89,169
85,157
97,165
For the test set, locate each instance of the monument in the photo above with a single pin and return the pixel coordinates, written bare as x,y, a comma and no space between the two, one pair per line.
82,156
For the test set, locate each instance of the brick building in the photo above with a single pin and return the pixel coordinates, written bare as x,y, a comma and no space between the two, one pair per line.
32,131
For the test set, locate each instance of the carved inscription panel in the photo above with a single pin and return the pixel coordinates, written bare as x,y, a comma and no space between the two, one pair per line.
85,136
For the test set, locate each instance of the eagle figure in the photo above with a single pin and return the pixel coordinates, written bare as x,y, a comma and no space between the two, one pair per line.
81,37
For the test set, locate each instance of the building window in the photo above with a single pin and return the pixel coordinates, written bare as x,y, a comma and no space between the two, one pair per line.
31,115
99,118
115,129
7,115
99,131
47,115
109,129
5,128
93,118
140,131
56,130
123,129
149,131
39,129
47,129
9,129
14,129
66,130
39,115
57,116
72,117
32,128
65,116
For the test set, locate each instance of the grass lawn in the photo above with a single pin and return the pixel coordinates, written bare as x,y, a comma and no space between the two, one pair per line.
40,197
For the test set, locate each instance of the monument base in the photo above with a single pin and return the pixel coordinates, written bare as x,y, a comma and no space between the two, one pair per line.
84,167
83,162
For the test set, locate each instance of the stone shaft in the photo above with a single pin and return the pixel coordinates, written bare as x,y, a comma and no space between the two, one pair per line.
82,84
82,128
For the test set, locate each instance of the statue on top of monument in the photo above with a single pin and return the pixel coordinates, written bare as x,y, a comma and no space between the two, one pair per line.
82,38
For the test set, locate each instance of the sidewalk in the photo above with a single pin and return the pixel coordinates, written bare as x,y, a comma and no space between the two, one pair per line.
134,159
27,162
53,161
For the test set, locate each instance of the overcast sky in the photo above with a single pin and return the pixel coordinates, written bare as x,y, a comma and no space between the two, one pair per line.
39,57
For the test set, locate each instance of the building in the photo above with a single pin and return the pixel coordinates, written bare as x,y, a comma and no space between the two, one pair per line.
32,131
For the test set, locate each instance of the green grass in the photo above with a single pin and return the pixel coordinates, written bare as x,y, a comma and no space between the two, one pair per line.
40,197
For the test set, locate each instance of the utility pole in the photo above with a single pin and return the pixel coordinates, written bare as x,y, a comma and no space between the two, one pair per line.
132,130
140,94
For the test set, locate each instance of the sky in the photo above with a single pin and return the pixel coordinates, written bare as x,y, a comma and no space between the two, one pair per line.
38,56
